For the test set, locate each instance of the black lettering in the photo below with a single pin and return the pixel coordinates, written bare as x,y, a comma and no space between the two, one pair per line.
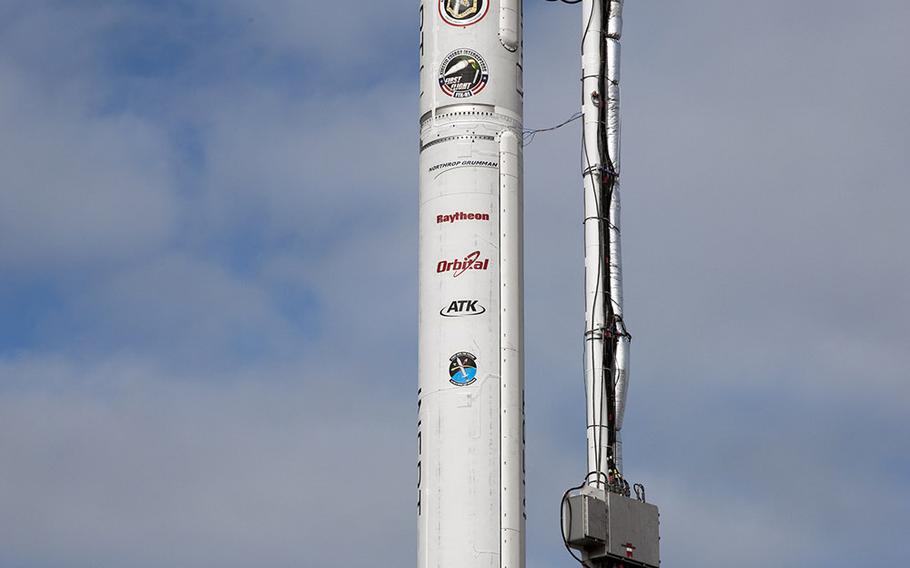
419,454
421,29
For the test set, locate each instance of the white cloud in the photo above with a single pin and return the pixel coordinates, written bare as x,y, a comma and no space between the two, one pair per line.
177,411
77,187
117,463
312,168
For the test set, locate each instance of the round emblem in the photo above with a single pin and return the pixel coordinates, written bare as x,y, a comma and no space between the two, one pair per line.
463,12
463,73
462,369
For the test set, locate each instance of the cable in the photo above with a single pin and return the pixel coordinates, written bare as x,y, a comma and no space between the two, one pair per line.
527,135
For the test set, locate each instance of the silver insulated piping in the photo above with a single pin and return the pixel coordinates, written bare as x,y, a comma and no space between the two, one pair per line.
606,339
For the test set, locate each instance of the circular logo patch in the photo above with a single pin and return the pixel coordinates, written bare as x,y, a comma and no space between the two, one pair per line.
463,12
462,369
463,74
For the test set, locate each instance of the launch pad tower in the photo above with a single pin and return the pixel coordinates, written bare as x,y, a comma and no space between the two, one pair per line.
601,519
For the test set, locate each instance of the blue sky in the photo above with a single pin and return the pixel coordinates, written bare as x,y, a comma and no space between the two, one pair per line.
208,281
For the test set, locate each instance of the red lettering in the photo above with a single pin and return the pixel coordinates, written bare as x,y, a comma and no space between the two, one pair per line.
462,216
460,266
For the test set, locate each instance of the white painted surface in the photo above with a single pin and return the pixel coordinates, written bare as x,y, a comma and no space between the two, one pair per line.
470,432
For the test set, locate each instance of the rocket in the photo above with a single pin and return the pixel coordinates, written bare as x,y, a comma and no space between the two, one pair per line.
470,424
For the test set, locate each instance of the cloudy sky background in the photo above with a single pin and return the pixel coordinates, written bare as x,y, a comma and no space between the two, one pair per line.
208,281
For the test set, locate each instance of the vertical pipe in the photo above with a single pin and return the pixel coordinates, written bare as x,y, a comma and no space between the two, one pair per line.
613,131
511,385
606,341
510,24
596,277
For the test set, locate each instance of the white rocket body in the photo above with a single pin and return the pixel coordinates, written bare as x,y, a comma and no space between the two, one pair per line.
470,399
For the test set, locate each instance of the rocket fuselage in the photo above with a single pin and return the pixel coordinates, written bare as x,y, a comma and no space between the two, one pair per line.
470,502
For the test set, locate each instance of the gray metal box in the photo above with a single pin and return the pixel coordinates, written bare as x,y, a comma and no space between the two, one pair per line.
586,521
614,527
632,529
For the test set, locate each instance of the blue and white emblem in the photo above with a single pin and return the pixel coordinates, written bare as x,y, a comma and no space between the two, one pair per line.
462,369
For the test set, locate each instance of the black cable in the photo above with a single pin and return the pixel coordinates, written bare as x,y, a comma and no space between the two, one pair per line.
528,135
587,27
603,201
610,346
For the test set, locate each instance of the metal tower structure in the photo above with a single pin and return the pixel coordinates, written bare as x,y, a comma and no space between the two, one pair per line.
600,518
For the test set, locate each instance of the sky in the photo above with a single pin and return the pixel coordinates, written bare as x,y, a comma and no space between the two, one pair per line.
208,239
